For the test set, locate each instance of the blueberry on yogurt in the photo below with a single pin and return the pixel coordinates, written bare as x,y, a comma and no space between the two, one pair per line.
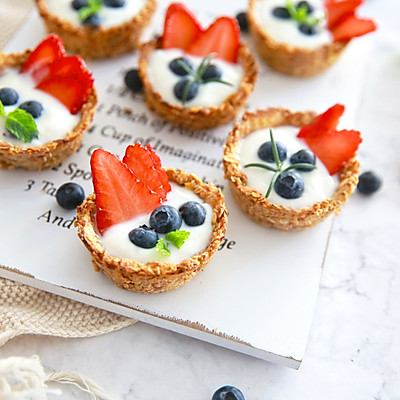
32,107
289,185
114,3
180,66
144,237
165,219
193,213
8,96
186,89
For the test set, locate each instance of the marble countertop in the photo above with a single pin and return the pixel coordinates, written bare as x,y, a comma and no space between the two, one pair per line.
353,350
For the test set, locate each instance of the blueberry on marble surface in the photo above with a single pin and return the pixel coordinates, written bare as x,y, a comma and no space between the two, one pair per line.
143,237
176,66
289,185
303,156
70,195
165,219
186,89
193,213
32,107
228,393
266,154
369,182
8,96
132,80
241,18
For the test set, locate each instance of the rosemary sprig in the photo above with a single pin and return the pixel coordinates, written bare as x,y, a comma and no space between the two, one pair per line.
300,14
278,169
197,75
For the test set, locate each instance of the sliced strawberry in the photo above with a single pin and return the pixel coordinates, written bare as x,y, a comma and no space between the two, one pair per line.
352,27
326,121
157,163
337,11
70,65
334,148
139,160
221,37
120,196
47,51
71,90
181,27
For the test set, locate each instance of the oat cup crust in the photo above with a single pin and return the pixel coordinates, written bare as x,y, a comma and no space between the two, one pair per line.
96,43
291,60
52,153
199,117
156,276
253,203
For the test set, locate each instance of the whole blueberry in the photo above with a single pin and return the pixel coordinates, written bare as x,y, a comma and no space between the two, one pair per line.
78,4
8,96
193,213
281,12
228,393
94,20
32,107
369,182
241,18
188,87
176,66
143,237
266,154
303,156
212,72
70,195
132,80
289,185
307,29
165,219
114,3
305,4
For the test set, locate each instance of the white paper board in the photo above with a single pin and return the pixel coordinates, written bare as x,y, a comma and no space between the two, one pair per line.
257,295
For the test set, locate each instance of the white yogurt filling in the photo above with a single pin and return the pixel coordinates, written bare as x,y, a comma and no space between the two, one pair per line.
55,120
210,94
286,30
110,16
116,239
318,183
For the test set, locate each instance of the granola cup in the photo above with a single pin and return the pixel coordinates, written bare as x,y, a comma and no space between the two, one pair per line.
253,203
199,117
155,276
295,61
96,43
51,153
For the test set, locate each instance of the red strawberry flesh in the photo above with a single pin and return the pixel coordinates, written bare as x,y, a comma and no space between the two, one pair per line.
222,38
181,27
120,195
71,90
139,160
337,11
47,51
334,148
352,27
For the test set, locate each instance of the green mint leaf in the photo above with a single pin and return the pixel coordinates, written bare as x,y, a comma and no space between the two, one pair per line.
177,238
2,112
162,248
93,7
22,125
300,15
